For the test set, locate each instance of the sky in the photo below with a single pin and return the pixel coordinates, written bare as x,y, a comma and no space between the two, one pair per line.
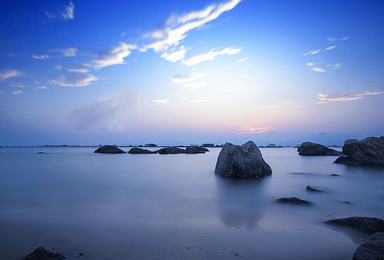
190,72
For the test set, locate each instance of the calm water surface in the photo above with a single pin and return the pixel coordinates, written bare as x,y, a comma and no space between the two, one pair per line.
125,206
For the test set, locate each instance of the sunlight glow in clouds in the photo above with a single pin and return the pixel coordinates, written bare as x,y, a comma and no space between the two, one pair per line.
337,97
211,55
160,101
254,130
318,69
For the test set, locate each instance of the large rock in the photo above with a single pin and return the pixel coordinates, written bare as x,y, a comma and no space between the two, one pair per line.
140,151
368,152
109,149
308,148
374,249
368,226
196,149
241,162
171,150
41,253
346,160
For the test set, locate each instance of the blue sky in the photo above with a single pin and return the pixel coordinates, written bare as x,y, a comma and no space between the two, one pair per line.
182,72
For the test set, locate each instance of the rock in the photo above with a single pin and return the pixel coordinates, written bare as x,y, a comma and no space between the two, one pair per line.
109,149
368,152
315,189
294,200
308,148
347,161
40,153
241,162
171,150
196,149
334,174
41,253
363,224
374,249
140,151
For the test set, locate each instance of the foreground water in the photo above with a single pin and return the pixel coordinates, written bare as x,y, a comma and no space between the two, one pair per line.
125,206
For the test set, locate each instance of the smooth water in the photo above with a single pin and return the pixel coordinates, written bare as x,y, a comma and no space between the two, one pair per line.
152,206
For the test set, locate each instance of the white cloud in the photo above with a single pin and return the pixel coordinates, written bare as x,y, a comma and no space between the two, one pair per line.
160,101
185,78
6,74
80,70
312,52
242,60
114,56
66,13
177,27
332,39
16,92
195,85
66,52
337,66
318,69
175,55
330,47
41,57
309,64
41,87
58,67
337,97
74,79
254,130
211,55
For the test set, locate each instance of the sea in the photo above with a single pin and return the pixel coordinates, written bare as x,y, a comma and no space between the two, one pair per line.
149,206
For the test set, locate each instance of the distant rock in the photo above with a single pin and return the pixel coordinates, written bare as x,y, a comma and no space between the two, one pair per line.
208,145
334,174
196,149
140,151
372,250
294,200
41,253
171,150
316,189
241,162
366,225
109,149
313,149
40,153
150,145
367,152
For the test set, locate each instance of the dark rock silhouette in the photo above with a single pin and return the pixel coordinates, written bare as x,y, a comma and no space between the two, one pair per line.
171,150
41,253
313,149
196,149
373,249
140,151
316,189
294,200
241,162
365,225
109,149
367,152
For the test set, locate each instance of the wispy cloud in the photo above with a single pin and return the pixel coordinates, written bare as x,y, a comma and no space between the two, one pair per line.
6,74
115,56
242,60
337,97
309,64
41,57
313,52
259,130
175,55
160,101
332,39
330,47
41,88
337,66
318,69
211,55
66,52
65,13
80,70
16,92
283,105
185,78
74,79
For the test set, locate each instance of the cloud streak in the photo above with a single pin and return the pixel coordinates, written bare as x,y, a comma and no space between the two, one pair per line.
74,79
113,57
254,130
340,97
66,13
211,55
7,74
318,69
66,52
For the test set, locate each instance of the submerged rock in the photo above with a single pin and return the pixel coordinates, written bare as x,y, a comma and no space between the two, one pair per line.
140,151
41,253
241,162
196,149
316,189
171,150
334,174
374,249
294,200
109,149
367,152
308,148
346,160
363,224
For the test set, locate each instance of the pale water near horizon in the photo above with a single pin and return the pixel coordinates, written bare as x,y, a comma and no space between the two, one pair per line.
125,206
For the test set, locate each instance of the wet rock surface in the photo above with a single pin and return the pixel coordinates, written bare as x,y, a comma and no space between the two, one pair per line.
365,225
41,253
371,250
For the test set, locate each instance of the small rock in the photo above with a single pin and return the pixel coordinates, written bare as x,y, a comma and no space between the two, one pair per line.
315,189
140,151
334,174
41,253
109,149
294,200
313,149
196,149
366,225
